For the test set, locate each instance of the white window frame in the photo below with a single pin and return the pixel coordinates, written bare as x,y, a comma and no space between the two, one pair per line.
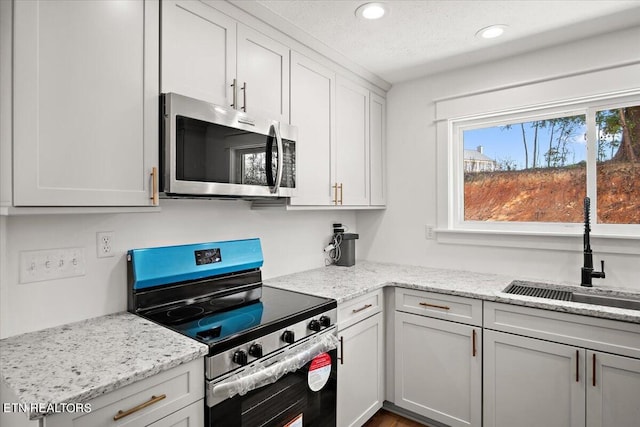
511,105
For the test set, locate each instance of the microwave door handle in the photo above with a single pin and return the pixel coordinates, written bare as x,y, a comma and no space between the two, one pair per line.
280,158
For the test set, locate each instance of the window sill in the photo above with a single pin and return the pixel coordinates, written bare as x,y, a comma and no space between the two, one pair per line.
569,241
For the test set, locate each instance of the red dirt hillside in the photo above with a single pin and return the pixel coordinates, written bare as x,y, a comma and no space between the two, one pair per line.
553,195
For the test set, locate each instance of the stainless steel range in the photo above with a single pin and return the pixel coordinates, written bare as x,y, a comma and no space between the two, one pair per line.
272,352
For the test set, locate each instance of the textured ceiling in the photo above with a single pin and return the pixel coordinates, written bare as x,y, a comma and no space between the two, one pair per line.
422,37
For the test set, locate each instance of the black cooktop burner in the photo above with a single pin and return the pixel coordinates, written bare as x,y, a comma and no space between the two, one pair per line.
182,314
276,309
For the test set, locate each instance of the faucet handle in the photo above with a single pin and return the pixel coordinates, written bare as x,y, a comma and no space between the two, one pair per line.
602,267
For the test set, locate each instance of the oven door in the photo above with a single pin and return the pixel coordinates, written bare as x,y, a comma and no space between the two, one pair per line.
294,388
209,150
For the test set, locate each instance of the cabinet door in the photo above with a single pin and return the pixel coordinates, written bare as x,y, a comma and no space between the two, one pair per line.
263,75
198,51
438,369
531,383
85,102
378,149
613,387
312,111
192,415
360,372
352,133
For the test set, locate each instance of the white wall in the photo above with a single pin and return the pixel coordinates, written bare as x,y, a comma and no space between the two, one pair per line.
291,241
397,234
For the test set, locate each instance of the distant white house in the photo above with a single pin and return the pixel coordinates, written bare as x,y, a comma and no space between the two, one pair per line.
477,161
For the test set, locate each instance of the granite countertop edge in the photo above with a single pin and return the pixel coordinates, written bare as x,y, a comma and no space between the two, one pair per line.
348,283
36,382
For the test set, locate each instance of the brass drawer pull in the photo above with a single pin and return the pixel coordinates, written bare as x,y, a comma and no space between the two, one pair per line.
357,310
335,193
154,399
443,307
154,185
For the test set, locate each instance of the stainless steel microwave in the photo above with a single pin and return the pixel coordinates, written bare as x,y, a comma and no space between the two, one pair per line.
210,151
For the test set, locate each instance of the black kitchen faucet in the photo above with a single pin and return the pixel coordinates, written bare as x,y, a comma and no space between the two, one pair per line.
587,268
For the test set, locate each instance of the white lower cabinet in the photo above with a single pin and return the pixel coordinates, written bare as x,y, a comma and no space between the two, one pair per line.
191,416
575,381
613,390
361,365
438,369
530,382
171,398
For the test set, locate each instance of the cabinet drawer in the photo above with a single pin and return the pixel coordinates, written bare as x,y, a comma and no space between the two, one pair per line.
589,332
180,387
440,306
355,310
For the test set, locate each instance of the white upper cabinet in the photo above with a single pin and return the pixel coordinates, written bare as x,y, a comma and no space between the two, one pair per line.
209,56
352,153
85,102
377,149
263,75
312,111
198,51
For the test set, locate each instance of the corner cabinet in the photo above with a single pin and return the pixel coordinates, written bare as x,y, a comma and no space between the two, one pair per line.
438,361
209,56
341,139
579,371
85,102
361,365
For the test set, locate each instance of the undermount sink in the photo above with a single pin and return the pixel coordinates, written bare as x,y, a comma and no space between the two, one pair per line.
565,293
619,302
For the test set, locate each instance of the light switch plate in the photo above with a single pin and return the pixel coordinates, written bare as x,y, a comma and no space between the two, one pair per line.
50,264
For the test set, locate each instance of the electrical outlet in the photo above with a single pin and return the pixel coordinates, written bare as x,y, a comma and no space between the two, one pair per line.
104,244
50,264
429,232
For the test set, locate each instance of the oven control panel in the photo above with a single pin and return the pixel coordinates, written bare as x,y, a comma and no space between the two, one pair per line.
249,352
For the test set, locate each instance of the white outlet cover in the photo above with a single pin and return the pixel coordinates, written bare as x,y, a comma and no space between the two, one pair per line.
104,244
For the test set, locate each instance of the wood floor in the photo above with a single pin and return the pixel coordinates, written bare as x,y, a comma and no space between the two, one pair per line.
384,418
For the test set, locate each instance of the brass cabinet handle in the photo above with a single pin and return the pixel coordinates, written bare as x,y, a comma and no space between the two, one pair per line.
443,307
357,310
154,399
341,358
335,193
577,366
474,343
234,93
594,369
340,193
244,97
154,185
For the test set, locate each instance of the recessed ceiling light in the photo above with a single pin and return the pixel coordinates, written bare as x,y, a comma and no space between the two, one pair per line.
371,10
492,31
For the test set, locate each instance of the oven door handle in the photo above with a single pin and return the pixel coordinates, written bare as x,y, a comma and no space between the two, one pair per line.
259,375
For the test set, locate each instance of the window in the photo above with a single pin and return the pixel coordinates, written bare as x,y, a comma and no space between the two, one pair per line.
518,171
533,171
618,165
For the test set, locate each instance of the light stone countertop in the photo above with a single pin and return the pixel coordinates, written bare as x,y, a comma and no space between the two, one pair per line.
77,362
345,283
